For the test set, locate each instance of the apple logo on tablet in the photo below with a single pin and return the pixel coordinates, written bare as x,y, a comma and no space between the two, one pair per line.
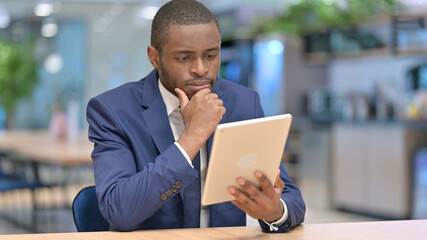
246,161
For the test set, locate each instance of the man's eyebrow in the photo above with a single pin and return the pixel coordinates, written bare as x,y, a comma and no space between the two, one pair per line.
190,51
212,49
183,51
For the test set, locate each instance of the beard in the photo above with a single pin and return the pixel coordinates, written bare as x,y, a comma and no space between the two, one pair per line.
170,84
165,79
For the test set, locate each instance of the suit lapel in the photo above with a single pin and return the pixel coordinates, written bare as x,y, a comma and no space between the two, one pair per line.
154,113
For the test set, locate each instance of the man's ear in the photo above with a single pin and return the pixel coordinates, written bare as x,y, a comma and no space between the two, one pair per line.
153,56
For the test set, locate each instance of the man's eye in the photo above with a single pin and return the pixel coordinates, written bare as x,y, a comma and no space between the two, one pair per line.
210,56
184,59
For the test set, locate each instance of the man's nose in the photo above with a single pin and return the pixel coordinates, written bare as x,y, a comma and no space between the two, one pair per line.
198,67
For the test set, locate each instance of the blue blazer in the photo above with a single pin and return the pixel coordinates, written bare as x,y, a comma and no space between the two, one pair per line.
135,159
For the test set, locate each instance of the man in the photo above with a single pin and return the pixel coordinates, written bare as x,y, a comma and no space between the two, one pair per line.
153,137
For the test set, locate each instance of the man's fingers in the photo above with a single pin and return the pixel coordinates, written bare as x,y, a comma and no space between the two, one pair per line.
266,184
260,204
243,207
250,189
220,102
242,198
183,99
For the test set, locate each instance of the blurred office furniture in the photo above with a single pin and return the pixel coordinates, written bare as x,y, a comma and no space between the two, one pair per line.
87,216
391,230
419,199
320,105
16,179
342,44
10,183
42,147
236,60
409,33
401,34
371,167
313,169
382,103
371,158
270,63
416,77
290,157
45,160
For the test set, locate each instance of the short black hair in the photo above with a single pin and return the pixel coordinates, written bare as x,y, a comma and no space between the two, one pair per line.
178,12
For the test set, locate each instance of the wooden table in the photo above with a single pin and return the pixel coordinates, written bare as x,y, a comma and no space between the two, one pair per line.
42,147
390,230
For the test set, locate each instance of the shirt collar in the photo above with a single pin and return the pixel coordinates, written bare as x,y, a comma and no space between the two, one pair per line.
171,101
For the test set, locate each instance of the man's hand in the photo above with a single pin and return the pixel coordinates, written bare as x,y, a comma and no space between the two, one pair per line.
201,115
263,203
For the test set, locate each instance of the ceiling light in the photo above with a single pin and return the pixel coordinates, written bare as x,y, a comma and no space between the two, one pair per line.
53,63
4,17
49,29
43,9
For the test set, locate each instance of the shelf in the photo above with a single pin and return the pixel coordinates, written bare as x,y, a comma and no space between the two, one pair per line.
405,21
415,50
413,14
375,52
322,58
319,58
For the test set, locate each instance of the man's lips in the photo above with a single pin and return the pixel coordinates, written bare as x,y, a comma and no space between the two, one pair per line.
197,85
198,82
197,88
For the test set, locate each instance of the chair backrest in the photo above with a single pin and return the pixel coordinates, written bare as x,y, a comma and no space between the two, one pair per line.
87,216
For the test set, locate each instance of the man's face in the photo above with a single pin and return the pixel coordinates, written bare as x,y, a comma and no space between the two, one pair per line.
190,59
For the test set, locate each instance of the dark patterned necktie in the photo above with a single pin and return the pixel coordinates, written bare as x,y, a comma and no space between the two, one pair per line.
191,199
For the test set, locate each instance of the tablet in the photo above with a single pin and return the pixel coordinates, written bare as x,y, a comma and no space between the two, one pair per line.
241,148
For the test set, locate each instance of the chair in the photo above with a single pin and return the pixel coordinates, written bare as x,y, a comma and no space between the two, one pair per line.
10,181
419,184
87,216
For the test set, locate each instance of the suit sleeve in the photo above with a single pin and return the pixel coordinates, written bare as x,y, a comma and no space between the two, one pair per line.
126,197
291,194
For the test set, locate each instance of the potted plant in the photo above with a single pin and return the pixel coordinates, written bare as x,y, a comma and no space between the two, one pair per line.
18,75
306,17
320,22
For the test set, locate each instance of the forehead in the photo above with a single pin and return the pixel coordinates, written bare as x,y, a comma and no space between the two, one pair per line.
193,37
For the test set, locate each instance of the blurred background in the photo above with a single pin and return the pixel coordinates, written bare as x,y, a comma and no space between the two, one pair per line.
352,72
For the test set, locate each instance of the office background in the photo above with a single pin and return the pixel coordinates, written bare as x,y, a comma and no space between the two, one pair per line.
355,81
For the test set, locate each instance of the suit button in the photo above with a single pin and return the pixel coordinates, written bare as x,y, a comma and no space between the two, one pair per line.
169,193
163,197
173,188
178,184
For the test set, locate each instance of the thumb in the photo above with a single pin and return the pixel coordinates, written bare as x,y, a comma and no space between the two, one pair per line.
183,99
277,178
279,185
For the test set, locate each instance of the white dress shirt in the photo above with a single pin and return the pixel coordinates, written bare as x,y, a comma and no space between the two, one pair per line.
177,125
